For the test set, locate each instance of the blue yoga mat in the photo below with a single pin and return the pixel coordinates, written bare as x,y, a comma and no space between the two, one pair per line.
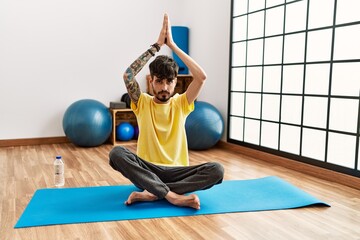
98,204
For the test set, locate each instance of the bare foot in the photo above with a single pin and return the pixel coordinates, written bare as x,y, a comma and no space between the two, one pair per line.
143,196
192,200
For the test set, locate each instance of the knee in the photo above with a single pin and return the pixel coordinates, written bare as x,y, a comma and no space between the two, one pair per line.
116,156
217,171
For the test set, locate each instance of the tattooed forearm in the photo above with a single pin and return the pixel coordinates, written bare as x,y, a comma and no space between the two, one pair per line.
131,84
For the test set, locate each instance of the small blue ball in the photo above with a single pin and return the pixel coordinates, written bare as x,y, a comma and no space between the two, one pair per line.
124,131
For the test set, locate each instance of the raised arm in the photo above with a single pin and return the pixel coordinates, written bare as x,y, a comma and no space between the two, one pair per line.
199,75
131,84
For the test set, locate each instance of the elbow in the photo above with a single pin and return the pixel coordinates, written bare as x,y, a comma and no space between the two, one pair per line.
202,77
126,76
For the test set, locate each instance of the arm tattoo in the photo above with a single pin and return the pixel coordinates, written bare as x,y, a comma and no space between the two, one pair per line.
131,84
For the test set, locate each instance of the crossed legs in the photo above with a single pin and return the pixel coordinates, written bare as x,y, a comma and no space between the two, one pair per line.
160,182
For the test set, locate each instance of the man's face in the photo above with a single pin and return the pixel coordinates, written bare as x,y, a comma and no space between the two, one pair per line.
163,89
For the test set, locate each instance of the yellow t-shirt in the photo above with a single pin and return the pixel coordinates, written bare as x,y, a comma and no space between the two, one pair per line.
162,135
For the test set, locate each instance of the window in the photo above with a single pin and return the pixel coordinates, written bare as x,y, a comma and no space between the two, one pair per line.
295,80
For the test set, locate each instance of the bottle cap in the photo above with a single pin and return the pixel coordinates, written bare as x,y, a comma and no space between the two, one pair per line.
58,157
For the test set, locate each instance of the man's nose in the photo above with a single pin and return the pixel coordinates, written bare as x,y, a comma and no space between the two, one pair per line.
164,86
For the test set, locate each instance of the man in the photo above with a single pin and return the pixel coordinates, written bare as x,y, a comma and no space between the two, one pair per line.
161,166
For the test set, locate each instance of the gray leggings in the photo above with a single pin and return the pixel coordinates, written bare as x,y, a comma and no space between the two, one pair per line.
159,180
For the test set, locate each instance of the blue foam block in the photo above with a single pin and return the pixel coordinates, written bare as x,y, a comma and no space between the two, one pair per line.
180,36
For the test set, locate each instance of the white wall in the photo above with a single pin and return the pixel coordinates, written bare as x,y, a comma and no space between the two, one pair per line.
209,45
54,52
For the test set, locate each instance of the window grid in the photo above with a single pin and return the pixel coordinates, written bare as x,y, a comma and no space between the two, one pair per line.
291,95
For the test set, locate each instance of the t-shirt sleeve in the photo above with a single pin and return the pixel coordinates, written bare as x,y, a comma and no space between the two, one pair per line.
186,106
136,107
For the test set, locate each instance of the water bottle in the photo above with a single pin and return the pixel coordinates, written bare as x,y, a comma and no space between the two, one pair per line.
59,172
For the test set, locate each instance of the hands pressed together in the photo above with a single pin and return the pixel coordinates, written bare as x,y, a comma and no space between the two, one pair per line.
165,36
198,74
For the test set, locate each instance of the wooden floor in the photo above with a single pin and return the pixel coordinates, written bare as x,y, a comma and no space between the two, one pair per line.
25,169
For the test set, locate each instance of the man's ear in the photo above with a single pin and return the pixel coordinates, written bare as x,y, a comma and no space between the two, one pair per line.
151,79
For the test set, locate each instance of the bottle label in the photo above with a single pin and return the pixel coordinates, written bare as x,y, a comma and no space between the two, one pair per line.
59,169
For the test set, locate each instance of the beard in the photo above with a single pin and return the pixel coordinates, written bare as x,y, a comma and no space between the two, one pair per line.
163,96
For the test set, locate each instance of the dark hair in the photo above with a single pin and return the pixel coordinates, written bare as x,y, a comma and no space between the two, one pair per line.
164,67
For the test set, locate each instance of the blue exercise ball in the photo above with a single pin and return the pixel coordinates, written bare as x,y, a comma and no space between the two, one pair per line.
124,131
204,126
87,123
